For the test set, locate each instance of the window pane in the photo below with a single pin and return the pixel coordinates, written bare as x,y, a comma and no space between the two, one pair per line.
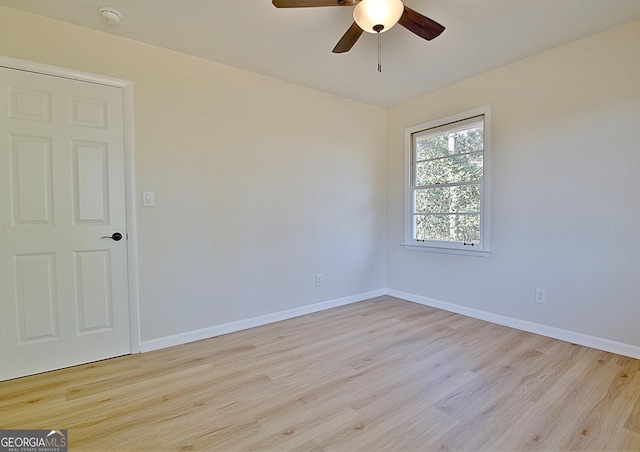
449,228
463,198
432,147
460,142
467,140
457,168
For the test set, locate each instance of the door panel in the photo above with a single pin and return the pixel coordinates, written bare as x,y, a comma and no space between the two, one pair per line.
31,174
36,300
63,287
29,104
90,183
93,291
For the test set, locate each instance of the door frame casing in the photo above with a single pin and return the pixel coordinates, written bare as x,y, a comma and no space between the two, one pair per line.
129,172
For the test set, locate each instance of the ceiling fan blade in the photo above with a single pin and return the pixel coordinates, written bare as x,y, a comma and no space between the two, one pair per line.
348,39
311,3
422,26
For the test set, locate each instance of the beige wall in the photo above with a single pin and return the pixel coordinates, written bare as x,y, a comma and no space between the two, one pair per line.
565,185
260,184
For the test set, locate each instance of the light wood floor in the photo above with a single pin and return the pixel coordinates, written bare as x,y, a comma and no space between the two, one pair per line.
383,374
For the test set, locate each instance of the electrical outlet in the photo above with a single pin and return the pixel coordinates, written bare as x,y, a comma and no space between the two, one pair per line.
319,279
541,295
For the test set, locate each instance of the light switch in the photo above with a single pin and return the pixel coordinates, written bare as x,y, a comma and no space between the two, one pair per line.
148,199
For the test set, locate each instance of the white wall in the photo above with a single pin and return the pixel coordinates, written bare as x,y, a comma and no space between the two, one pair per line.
260,184
565,184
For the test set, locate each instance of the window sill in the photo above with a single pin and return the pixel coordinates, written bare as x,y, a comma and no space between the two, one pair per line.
436,249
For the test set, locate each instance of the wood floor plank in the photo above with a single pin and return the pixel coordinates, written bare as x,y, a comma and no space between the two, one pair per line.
633,420
383,374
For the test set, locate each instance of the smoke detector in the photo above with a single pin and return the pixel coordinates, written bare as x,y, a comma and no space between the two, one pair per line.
110,15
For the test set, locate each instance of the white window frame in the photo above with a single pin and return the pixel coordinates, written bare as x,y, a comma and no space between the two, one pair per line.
410,242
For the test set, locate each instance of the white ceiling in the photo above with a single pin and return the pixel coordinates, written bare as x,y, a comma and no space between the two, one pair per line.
295,44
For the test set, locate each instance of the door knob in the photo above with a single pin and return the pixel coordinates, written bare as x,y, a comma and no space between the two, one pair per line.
115,236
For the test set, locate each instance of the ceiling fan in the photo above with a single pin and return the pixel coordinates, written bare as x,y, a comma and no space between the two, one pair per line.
373,16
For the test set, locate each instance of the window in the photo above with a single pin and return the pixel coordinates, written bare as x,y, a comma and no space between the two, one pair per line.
447,189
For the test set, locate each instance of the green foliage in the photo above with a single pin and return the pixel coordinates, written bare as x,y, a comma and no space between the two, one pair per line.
448,171
441,199
463,142
452,169
448,228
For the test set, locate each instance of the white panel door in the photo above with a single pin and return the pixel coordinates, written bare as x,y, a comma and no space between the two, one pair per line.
63,287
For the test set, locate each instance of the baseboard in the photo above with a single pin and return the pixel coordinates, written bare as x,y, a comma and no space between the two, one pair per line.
218,330
531,327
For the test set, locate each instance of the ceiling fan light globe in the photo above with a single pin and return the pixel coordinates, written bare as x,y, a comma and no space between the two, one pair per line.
368,14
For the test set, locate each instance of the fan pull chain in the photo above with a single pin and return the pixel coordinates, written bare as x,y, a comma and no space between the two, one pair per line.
378,28
379,54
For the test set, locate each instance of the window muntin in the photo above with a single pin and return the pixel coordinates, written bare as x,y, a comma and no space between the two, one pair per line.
447,187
